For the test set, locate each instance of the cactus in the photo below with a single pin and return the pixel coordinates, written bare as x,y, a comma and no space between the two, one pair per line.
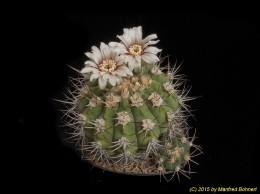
127,110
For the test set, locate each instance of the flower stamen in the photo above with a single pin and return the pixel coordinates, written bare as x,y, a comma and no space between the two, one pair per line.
135,49
108,65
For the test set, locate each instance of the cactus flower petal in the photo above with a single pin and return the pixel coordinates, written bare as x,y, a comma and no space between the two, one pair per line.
105,65
133,48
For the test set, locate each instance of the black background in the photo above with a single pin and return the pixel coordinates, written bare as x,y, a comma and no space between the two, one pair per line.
220,58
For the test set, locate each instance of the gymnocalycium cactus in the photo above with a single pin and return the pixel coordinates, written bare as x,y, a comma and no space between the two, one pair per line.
128,111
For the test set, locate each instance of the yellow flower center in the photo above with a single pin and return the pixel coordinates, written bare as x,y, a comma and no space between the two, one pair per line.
108,65
135,49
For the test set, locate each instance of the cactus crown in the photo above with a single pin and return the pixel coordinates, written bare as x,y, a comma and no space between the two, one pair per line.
128,112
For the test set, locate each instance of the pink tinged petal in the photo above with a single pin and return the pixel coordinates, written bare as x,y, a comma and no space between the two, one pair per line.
137,66
106,52
117,45
92,56
131,66
138,34
125,70
122,71
119,72
103,50
130,40
128,58
118,79
89,55
126,30
103,46
152,49
102,73
113,44
112,80
132,63
96,54
94,76
95,70
102,83
148,38
106,76
123,56
126,40
151,43
150,58
123,40
131,36
138,58
90,63
119,60
114,55
121,51
88,70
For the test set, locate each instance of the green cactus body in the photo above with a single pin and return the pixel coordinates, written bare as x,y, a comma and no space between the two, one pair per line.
144,113
132,119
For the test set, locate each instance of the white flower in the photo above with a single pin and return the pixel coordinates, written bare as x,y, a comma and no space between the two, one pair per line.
106,65
133,48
